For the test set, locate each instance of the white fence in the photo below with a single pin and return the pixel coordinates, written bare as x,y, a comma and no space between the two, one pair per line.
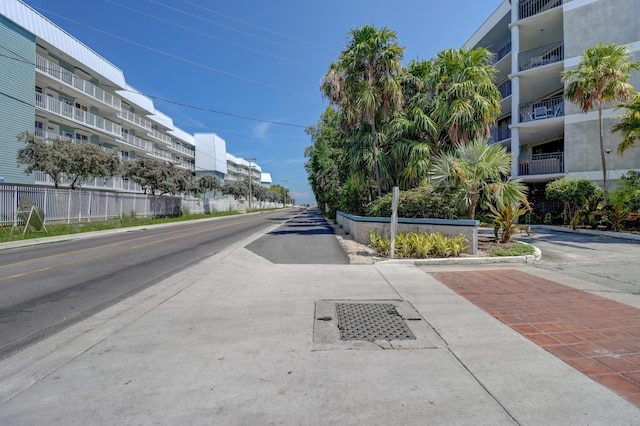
68,206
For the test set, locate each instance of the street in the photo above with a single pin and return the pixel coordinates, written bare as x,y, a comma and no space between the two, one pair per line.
46,288
610,262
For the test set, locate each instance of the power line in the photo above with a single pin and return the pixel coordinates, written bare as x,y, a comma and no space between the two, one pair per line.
243,117
170,55
209,35
237,30
256,26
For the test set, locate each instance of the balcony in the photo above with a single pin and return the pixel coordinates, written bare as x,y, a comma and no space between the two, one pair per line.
541,164
160,136
136,120
501,52
542,109
61,75
182,149
136,142
500,133
540,56
48,137
62,109
527,8
505,89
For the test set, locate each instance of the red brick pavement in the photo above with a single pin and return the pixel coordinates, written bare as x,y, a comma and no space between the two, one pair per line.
597,336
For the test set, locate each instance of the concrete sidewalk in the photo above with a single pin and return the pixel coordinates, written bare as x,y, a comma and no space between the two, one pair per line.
231,341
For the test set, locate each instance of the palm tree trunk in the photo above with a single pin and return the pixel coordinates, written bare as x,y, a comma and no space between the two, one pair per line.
471,213
602,155
374,143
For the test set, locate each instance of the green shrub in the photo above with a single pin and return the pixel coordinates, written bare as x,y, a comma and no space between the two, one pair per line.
418,203
571,192
418,245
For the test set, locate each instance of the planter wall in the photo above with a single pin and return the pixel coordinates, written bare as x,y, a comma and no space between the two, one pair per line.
359,226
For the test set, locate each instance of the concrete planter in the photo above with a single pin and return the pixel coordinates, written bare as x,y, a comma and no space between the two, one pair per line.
359,226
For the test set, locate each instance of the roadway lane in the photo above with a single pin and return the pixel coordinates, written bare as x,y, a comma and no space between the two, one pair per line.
46,288
611,262
305,239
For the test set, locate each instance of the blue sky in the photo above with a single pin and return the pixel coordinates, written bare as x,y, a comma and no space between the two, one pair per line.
262,60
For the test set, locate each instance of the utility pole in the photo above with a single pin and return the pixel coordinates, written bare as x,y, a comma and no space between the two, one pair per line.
250,164
284,203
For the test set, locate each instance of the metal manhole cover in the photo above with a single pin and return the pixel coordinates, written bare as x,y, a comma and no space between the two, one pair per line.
371,321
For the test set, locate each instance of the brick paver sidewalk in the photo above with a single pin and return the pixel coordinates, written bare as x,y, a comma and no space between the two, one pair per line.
597,336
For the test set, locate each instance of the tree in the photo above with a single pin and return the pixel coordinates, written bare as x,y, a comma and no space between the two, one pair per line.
478,171
160,177
572,192
238,189
601,76
465,101
209,183
629,125
38,155
362,83
61,159
86,160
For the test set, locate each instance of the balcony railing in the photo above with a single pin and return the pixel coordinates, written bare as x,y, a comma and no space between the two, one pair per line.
544,108
66,110
136,119
540,164
182,149
501,52
137,142
505,89
62,75
160,136
48,137
540,56
528,8
500,133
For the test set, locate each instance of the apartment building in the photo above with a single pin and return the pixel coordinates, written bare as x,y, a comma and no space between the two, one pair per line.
56,87
534,41
241,168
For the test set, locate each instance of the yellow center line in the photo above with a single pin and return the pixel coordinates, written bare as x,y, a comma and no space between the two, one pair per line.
199,230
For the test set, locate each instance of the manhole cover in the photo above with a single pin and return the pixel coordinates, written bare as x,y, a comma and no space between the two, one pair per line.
371,321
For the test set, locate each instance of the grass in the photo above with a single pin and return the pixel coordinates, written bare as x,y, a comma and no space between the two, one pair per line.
512,249
123,222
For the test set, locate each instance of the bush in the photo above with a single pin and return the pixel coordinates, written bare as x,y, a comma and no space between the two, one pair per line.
571,192
418,203
512,249
418,245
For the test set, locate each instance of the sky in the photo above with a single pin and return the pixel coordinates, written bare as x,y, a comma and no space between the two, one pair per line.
250,70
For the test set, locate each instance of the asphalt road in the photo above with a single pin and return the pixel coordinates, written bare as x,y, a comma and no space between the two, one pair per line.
611,262
46,288
305,239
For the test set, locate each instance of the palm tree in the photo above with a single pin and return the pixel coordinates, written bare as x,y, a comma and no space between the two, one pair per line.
478,171
602,76
465,102
363,82
629,126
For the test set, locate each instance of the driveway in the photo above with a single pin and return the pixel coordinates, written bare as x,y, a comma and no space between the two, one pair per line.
610,262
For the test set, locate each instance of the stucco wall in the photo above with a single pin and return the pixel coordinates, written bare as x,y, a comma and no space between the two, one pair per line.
358,227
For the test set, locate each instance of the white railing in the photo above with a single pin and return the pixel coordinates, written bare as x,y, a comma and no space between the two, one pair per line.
136,141
161,155
68,206
182,149
160,136
528,8
136,119
185,165
78,115
539,164
60,74
48,136
544,108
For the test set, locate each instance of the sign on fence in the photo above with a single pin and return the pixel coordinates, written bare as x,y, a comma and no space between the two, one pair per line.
31,215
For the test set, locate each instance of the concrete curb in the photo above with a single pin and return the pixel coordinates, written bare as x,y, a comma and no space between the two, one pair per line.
610,234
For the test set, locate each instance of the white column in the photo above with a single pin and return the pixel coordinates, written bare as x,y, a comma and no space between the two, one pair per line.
515,90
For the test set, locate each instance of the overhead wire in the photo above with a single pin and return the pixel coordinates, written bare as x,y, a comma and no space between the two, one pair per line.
260,52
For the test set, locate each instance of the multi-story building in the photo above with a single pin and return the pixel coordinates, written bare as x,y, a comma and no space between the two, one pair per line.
534,41
56,87
240,168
